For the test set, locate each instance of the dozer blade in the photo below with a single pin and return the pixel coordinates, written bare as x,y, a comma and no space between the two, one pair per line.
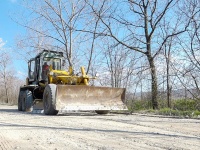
78,97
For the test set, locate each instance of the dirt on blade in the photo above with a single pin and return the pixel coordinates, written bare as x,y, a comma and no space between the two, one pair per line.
20,130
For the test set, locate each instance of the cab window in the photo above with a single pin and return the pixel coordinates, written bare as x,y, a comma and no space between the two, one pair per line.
31,69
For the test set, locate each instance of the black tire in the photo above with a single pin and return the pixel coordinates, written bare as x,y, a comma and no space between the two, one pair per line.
28,101
23,99
49,100
102,112
20,101
25,102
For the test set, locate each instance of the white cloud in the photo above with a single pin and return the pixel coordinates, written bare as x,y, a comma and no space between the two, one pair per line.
20,73
2,43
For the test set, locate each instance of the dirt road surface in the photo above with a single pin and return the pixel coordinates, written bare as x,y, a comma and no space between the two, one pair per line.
89,131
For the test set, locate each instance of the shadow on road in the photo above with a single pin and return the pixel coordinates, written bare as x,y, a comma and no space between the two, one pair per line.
8,110
88,129
13,109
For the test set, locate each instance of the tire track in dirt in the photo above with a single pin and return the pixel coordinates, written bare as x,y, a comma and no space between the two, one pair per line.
158,132
153,126
104,131
4,144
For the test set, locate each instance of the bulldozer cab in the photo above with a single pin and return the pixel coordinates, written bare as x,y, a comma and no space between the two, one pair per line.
38,67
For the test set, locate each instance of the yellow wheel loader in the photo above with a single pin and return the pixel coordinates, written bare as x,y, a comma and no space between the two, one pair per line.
59,90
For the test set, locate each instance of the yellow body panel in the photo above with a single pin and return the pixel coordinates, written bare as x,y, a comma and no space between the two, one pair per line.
64,77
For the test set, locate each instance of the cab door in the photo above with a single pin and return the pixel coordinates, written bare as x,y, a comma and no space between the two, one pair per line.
31,70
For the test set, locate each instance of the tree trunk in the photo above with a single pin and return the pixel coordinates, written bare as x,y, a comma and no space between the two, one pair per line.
6,84
168,87
7,96
154,88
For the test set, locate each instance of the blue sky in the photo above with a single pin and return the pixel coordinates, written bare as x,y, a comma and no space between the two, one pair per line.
8,28
9,31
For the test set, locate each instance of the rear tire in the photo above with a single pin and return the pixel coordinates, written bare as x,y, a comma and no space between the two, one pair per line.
23,99
20,101
102,112
49,100
28,101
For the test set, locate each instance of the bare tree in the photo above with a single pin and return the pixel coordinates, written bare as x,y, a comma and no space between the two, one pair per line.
140,21
9,87
55,21
168,49
6,75
190,46
120,64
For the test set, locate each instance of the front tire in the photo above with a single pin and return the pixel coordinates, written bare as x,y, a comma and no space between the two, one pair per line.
49,100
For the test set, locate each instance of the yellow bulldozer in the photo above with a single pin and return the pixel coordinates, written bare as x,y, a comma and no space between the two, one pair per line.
59,90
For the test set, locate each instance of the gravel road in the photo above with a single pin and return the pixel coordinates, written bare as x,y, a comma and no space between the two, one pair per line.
89,131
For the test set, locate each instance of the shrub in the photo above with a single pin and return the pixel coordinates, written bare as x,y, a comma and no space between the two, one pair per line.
196,113
138,105
181,108
184,105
